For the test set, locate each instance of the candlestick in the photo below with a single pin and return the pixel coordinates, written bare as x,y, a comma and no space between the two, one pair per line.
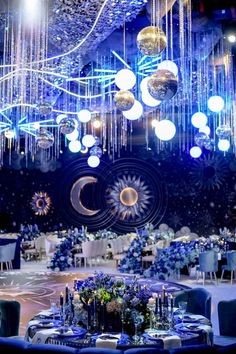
102,316
171,302
160,305
66,294
61,299
89,316
75,284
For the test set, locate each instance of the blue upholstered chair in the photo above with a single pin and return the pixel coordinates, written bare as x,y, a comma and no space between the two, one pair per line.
194,349
227,320
208,263
9,318
230,266
198,301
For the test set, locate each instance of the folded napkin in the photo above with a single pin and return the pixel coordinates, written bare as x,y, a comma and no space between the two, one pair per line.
48,313
171,342
108,340
41,336
209,333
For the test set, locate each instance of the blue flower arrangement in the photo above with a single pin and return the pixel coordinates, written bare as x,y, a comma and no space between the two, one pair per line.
62,259
132,263
29,233
174,258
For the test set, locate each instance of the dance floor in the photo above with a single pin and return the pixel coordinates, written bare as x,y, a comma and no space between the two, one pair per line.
35,289
33,286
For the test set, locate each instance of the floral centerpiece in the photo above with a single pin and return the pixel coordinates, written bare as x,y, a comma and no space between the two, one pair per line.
132,263
29,232
122,301
62,259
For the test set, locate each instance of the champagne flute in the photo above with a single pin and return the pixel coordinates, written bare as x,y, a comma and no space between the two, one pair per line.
182,309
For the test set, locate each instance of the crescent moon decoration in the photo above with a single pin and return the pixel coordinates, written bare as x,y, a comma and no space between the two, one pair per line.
75,196
129,197
41,203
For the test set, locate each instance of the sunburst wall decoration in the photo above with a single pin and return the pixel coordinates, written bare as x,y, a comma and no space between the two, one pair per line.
41,203
129,197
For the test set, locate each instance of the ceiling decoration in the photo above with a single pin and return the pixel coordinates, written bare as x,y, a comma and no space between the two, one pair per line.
64,81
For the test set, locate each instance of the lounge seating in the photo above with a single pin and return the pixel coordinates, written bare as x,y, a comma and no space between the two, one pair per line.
198,301
230,266
208,263
9,318
227,320
8,345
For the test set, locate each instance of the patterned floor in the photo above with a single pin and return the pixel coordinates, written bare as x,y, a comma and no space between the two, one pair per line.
35,289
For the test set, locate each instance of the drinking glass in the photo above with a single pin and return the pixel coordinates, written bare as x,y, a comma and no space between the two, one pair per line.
54,307
182,309
138,320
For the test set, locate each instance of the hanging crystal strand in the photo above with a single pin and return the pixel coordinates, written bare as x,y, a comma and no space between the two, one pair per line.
182,69
167,29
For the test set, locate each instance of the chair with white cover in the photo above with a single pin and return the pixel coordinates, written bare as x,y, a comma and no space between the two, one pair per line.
50,249
7,254
102,249
118,251
150,258
89,252
36,252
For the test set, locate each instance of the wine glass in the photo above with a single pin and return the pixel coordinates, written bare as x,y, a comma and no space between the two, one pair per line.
138,320
182,309
54,307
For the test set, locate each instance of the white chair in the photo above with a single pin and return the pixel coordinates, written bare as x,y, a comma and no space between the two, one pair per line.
36,252
7,254
150,258
118,249
50,248
89,252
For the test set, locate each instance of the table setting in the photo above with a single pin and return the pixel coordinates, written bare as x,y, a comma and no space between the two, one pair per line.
101,311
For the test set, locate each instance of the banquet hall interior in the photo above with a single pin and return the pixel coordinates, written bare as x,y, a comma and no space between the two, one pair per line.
118,176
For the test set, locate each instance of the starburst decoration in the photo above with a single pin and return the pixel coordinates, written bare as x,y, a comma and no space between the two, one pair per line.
129,197
41,203
209,172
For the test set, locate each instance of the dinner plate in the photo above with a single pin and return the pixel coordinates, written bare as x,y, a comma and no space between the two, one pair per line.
157,334
71,333
188,327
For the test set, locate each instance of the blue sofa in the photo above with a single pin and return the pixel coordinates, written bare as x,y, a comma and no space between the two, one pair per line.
9,345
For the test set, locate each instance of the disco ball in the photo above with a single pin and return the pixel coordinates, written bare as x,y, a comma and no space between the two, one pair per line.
44,139
151,41
67,125
201,138
97,141
96,151
209,144
44,108
223,131
162,85
124,100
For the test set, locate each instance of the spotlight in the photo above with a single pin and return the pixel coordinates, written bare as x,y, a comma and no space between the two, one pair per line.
125,79
168,65
60,117
154,123
231,38
84,115
206,130
75,146
223,145
93,161
135,112
88,140
195,152
165,130
148,100
216,104
199,120
73,136
10,134
84,150
97,124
